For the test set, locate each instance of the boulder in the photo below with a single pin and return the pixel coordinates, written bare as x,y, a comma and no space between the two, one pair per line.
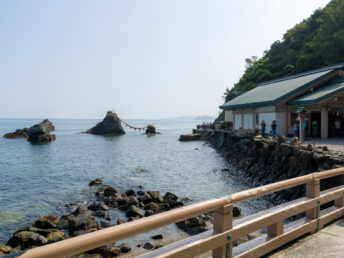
49,221
111,125
110,191
150,129
40,133
55,236
156,196
124,248
19,133
157,237
6,249
148,246
96,181
130,192
80,211
133,211
189,137
192,226
82,223
236,211
26,239
97,205
170,197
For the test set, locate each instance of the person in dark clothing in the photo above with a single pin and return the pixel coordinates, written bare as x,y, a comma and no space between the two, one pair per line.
263,124
273,128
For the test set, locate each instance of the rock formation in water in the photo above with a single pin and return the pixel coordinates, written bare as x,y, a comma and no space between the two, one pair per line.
189,137
150,129
110,125
19,133
40,133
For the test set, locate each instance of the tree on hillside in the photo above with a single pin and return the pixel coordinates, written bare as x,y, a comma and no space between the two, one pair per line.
315,42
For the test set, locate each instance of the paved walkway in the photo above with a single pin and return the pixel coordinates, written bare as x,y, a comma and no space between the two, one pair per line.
327,243
336,144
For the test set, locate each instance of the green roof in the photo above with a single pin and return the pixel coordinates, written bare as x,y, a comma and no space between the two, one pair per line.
277,91
320,94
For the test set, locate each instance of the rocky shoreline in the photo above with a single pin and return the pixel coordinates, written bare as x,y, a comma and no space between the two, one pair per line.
85,217
262,161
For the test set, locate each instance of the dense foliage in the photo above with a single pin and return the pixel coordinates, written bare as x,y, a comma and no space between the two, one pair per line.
313,43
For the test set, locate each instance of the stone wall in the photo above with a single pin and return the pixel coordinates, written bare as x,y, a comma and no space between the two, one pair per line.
262,161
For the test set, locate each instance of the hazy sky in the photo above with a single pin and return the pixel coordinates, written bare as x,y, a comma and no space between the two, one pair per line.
144,59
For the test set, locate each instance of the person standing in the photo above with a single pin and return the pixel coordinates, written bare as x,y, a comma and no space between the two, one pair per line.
273,128
296,129
304,127
263,124
337,125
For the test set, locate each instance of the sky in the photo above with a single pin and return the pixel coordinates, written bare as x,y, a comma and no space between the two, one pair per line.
144,59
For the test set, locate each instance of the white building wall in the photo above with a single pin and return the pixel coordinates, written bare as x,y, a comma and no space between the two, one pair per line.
237,121
248,121
229,116
268,118
282,122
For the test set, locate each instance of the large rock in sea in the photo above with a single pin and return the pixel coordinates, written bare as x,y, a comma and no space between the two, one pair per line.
150,129
110,125
40,133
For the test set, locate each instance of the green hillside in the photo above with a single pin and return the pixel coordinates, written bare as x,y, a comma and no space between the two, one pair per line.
315,42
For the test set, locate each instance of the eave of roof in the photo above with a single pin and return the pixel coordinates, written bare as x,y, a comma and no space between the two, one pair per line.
240,101
321,94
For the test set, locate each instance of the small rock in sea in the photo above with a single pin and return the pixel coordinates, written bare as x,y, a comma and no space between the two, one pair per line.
49,221
98,205
134,211
148,246
196,148
110,191
120,221
124,248
149,213
150,129
105,224
236,211
140,193
111,252
157,237
189,137
225,169
130,192
157,247
140,186
186,199
80,211
96,181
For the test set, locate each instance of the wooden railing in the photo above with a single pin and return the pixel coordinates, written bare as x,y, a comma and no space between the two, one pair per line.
219,239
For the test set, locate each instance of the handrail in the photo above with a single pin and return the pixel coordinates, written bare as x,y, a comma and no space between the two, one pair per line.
102,237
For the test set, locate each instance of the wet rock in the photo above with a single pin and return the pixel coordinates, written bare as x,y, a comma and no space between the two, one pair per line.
43,232
150,129
123,200
96,181
134,211
98,205
124,248
110,191
26,239
19,133
120,221
111,252
63,222
148,246
157,247
133,200
243,240
146,198
55,236
40,133
99,214
6,249
236,211
110,125
186,199
189,137
157,237
156,196
192,226
80,211
225,169
156,208
130,192
149,213
170,197
82,223
49,221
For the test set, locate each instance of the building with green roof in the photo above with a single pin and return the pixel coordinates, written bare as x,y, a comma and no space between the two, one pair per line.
321,91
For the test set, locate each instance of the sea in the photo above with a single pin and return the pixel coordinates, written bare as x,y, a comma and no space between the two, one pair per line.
36,180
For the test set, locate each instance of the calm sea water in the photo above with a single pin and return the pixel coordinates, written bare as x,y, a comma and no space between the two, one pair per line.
39,179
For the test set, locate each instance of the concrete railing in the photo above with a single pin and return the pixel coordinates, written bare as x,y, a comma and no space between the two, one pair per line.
219,239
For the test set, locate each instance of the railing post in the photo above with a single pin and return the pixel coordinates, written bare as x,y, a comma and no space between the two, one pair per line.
223,221
313,191
276,229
